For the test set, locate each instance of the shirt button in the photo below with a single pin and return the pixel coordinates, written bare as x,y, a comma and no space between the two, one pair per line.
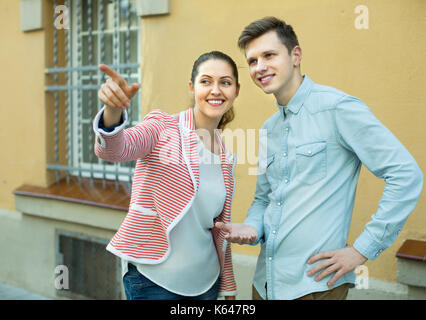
286,129
309,152
279,203
274,232
286,180
285,154
270,258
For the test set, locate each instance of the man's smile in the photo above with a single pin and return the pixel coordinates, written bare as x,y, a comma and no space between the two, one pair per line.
266,78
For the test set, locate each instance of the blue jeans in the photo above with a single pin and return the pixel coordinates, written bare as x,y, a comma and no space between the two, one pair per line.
138,287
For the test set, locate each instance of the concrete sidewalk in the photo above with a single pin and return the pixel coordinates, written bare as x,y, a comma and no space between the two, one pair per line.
8,292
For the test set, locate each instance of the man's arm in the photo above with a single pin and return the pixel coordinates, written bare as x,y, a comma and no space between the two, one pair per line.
380,151
258,207
251,231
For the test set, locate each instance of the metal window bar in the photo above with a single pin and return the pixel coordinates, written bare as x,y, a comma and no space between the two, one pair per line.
68,100
56,113
101,31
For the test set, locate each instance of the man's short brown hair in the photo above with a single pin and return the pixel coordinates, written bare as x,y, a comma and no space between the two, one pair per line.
259,27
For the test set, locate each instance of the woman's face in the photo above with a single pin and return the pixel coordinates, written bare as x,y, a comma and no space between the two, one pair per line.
214,89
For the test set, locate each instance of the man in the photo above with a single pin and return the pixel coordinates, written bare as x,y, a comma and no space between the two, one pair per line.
316,144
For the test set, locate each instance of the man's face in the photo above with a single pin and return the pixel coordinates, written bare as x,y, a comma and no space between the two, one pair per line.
271,67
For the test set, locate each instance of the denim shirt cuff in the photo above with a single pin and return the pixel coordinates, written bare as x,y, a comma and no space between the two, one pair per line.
368,247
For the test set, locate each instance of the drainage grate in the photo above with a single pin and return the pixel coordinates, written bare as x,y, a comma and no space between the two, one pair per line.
93,272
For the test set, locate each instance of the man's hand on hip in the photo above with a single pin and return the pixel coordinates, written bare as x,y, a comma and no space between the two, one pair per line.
339,261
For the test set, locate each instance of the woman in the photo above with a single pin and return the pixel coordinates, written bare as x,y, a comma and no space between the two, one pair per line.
183,184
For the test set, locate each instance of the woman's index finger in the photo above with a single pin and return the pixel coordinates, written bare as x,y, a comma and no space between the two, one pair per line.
116,77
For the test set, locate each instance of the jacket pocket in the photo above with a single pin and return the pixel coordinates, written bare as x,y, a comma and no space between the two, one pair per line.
137,227
143,210
311,162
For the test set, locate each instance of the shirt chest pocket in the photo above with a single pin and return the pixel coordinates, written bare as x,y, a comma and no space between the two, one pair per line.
311,162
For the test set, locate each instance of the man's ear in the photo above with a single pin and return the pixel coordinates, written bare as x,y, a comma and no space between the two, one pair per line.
296,55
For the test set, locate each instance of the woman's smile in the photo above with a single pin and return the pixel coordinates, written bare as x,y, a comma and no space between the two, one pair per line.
216,102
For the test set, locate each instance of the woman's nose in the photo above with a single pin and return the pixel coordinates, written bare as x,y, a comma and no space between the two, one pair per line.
215,89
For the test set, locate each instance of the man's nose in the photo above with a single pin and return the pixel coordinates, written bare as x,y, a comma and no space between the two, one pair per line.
261,66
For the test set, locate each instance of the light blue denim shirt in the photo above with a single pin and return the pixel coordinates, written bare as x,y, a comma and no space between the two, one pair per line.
303,202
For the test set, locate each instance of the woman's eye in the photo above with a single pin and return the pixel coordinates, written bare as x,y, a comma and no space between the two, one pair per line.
227,83
204,81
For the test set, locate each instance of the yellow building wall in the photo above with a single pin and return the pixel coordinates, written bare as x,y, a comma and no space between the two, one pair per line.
23,109
383,65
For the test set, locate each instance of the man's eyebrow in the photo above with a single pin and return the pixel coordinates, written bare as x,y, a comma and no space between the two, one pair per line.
269,51
249,59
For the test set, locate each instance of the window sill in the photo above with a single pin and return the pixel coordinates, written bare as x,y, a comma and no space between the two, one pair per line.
411,265
413,250
82,203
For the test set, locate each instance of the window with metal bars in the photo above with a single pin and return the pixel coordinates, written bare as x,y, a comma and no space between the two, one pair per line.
101,31
93,273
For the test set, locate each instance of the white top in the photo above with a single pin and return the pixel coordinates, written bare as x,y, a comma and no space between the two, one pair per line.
193,265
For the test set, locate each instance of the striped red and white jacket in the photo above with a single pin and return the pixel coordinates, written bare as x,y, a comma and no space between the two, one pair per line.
165,182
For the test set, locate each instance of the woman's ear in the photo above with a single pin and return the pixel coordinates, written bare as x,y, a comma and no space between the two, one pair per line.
191,87
238,90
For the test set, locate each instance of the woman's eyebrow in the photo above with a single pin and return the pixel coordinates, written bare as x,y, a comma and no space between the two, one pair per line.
222,77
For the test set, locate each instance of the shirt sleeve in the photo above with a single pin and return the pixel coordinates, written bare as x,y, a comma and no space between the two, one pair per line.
261,200
381,153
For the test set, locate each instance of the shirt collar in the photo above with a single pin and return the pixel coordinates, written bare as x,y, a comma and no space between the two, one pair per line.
299,97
